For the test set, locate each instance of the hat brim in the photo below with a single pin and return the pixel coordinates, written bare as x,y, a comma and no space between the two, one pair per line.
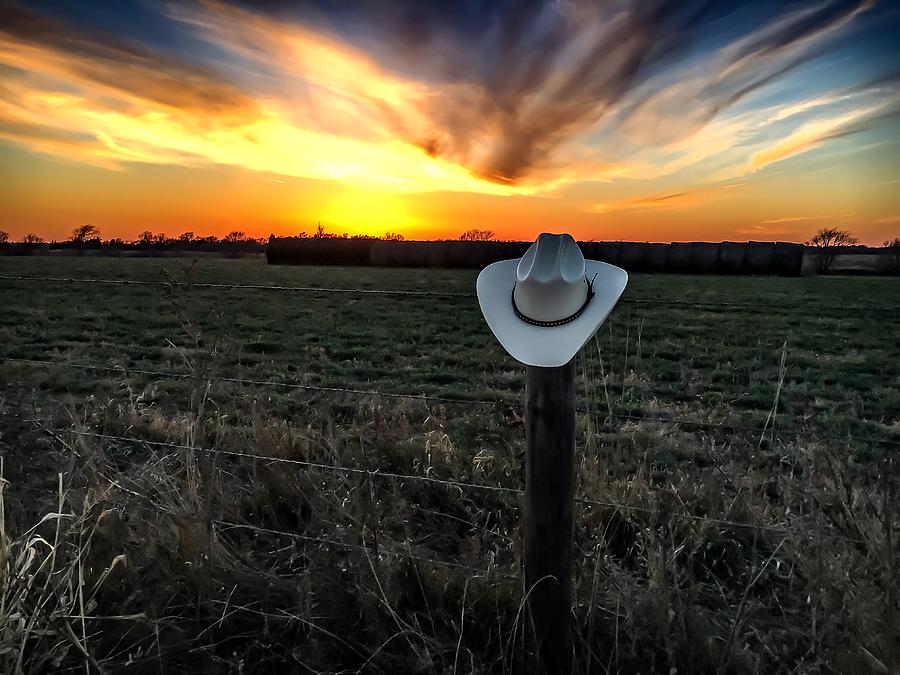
538,345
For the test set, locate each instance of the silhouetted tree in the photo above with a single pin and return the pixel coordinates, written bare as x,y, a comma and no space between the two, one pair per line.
186,237
825,242
321,233
146,238
893,247
393,236
476,235
83,233
234,237
4,237
32,238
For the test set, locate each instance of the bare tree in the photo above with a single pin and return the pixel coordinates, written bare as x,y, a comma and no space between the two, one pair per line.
32,238
825,242
82,233
893,249
476,235
4,237
146,238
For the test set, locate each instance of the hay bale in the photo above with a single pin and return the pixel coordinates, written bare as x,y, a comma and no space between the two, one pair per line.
705,258
656,257
295,251
679,258
459,254
631,256
607,251
732,257
398,253
787,259
760,257
589,249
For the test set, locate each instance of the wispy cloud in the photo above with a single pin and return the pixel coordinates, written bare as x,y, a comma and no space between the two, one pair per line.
108,105
515,105
761,231
671,200
813,134
797,219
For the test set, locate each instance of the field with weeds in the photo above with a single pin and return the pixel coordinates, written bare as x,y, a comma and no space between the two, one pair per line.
204,478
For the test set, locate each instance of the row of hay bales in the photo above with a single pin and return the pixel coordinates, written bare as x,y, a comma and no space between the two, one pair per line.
691,258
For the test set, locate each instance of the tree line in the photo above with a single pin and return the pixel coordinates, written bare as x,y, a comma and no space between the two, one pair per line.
825,244
321,233
88,236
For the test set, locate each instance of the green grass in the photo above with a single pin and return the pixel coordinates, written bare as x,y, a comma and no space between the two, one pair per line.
658,586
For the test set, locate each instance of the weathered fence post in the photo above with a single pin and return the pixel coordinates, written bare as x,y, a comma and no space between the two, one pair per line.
543,308
549,495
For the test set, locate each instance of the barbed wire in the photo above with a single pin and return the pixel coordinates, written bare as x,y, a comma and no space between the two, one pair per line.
260,383
56,433
407,555
299,462
796,309
679,421
460,485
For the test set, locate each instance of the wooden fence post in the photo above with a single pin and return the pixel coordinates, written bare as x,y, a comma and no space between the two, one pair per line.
549,496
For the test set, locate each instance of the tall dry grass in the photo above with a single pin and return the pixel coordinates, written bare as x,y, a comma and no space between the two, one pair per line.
701,552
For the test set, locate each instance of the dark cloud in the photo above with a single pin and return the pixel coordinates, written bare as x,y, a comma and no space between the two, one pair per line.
115,63
510,83
521,78
24,131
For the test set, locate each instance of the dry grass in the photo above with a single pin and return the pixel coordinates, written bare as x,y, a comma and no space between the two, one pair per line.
157,560
704,551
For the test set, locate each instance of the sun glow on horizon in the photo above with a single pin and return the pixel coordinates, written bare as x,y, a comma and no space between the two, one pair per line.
265,122
380,212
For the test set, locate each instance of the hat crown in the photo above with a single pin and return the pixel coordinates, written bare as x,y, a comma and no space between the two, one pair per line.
550,280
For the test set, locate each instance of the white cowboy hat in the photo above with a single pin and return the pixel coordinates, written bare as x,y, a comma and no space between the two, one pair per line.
545,306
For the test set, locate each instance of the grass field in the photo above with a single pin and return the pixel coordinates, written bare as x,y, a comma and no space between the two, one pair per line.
710,545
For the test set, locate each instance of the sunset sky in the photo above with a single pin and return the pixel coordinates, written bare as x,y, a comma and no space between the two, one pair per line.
643,121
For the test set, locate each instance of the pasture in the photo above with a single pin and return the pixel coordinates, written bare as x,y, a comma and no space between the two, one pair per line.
214,479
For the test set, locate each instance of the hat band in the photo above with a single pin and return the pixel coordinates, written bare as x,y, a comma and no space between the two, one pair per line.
557,322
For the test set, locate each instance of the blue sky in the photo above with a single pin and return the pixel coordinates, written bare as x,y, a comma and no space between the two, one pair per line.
641,119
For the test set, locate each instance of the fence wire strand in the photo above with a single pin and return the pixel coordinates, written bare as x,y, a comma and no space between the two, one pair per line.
759,307
476,571
498,403
459,485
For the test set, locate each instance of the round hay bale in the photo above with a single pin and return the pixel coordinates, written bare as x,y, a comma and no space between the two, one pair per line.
607,251
787,259
760,257
679,257
732,255
656,257
705,257
631,256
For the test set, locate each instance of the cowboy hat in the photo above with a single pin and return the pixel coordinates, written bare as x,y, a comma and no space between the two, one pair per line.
545,306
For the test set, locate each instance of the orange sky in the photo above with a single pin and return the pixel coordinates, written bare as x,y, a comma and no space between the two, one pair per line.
270,126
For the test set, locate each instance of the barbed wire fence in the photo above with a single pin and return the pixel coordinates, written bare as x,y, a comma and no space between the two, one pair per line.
793,526
841,310
722,426
425,398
